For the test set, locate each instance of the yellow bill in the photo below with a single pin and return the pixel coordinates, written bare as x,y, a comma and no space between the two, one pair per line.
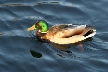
31,28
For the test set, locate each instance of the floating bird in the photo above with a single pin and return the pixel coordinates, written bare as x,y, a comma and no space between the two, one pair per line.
62,33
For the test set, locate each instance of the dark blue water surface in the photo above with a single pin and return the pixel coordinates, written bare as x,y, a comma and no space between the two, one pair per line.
20,53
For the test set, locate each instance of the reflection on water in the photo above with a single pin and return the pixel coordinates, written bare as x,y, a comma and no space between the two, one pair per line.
37,3
1,34
63,49
47,2
35,54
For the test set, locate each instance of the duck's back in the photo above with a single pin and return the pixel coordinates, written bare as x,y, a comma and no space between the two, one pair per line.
65,30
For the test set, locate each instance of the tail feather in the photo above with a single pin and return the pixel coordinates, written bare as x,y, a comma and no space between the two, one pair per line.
87,31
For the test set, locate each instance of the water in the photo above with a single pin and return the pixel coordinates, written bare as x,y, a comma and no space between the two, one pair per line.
17,48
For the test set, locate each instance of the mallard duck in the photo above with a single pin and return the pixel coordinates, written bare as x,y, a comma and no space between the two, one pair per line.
63,33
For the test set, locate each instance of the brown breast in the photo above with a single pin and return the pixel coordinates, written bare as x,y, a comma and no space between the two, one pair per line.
41,35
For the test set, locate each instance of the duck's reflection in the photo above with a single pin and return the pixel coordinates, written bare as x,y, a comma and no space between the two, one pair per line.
62,48
35,54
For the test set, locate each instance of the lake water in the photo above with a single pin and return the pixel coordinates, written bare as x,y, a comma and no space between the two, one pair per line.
20,53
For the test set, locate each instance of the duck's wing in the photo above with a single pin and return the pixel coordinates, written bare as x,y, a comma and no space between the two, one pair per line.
86,33
68,30
71,31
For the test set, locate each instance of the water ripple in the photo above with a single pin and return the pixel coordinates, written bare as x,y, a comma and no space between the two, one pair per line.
16,44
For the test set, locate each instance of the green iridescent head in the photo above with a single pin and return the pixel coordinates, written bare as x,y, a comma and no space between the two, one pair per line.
41,25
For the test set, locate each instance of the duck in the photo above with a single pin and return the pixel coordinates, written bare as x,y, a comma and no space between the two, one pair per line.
62,33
